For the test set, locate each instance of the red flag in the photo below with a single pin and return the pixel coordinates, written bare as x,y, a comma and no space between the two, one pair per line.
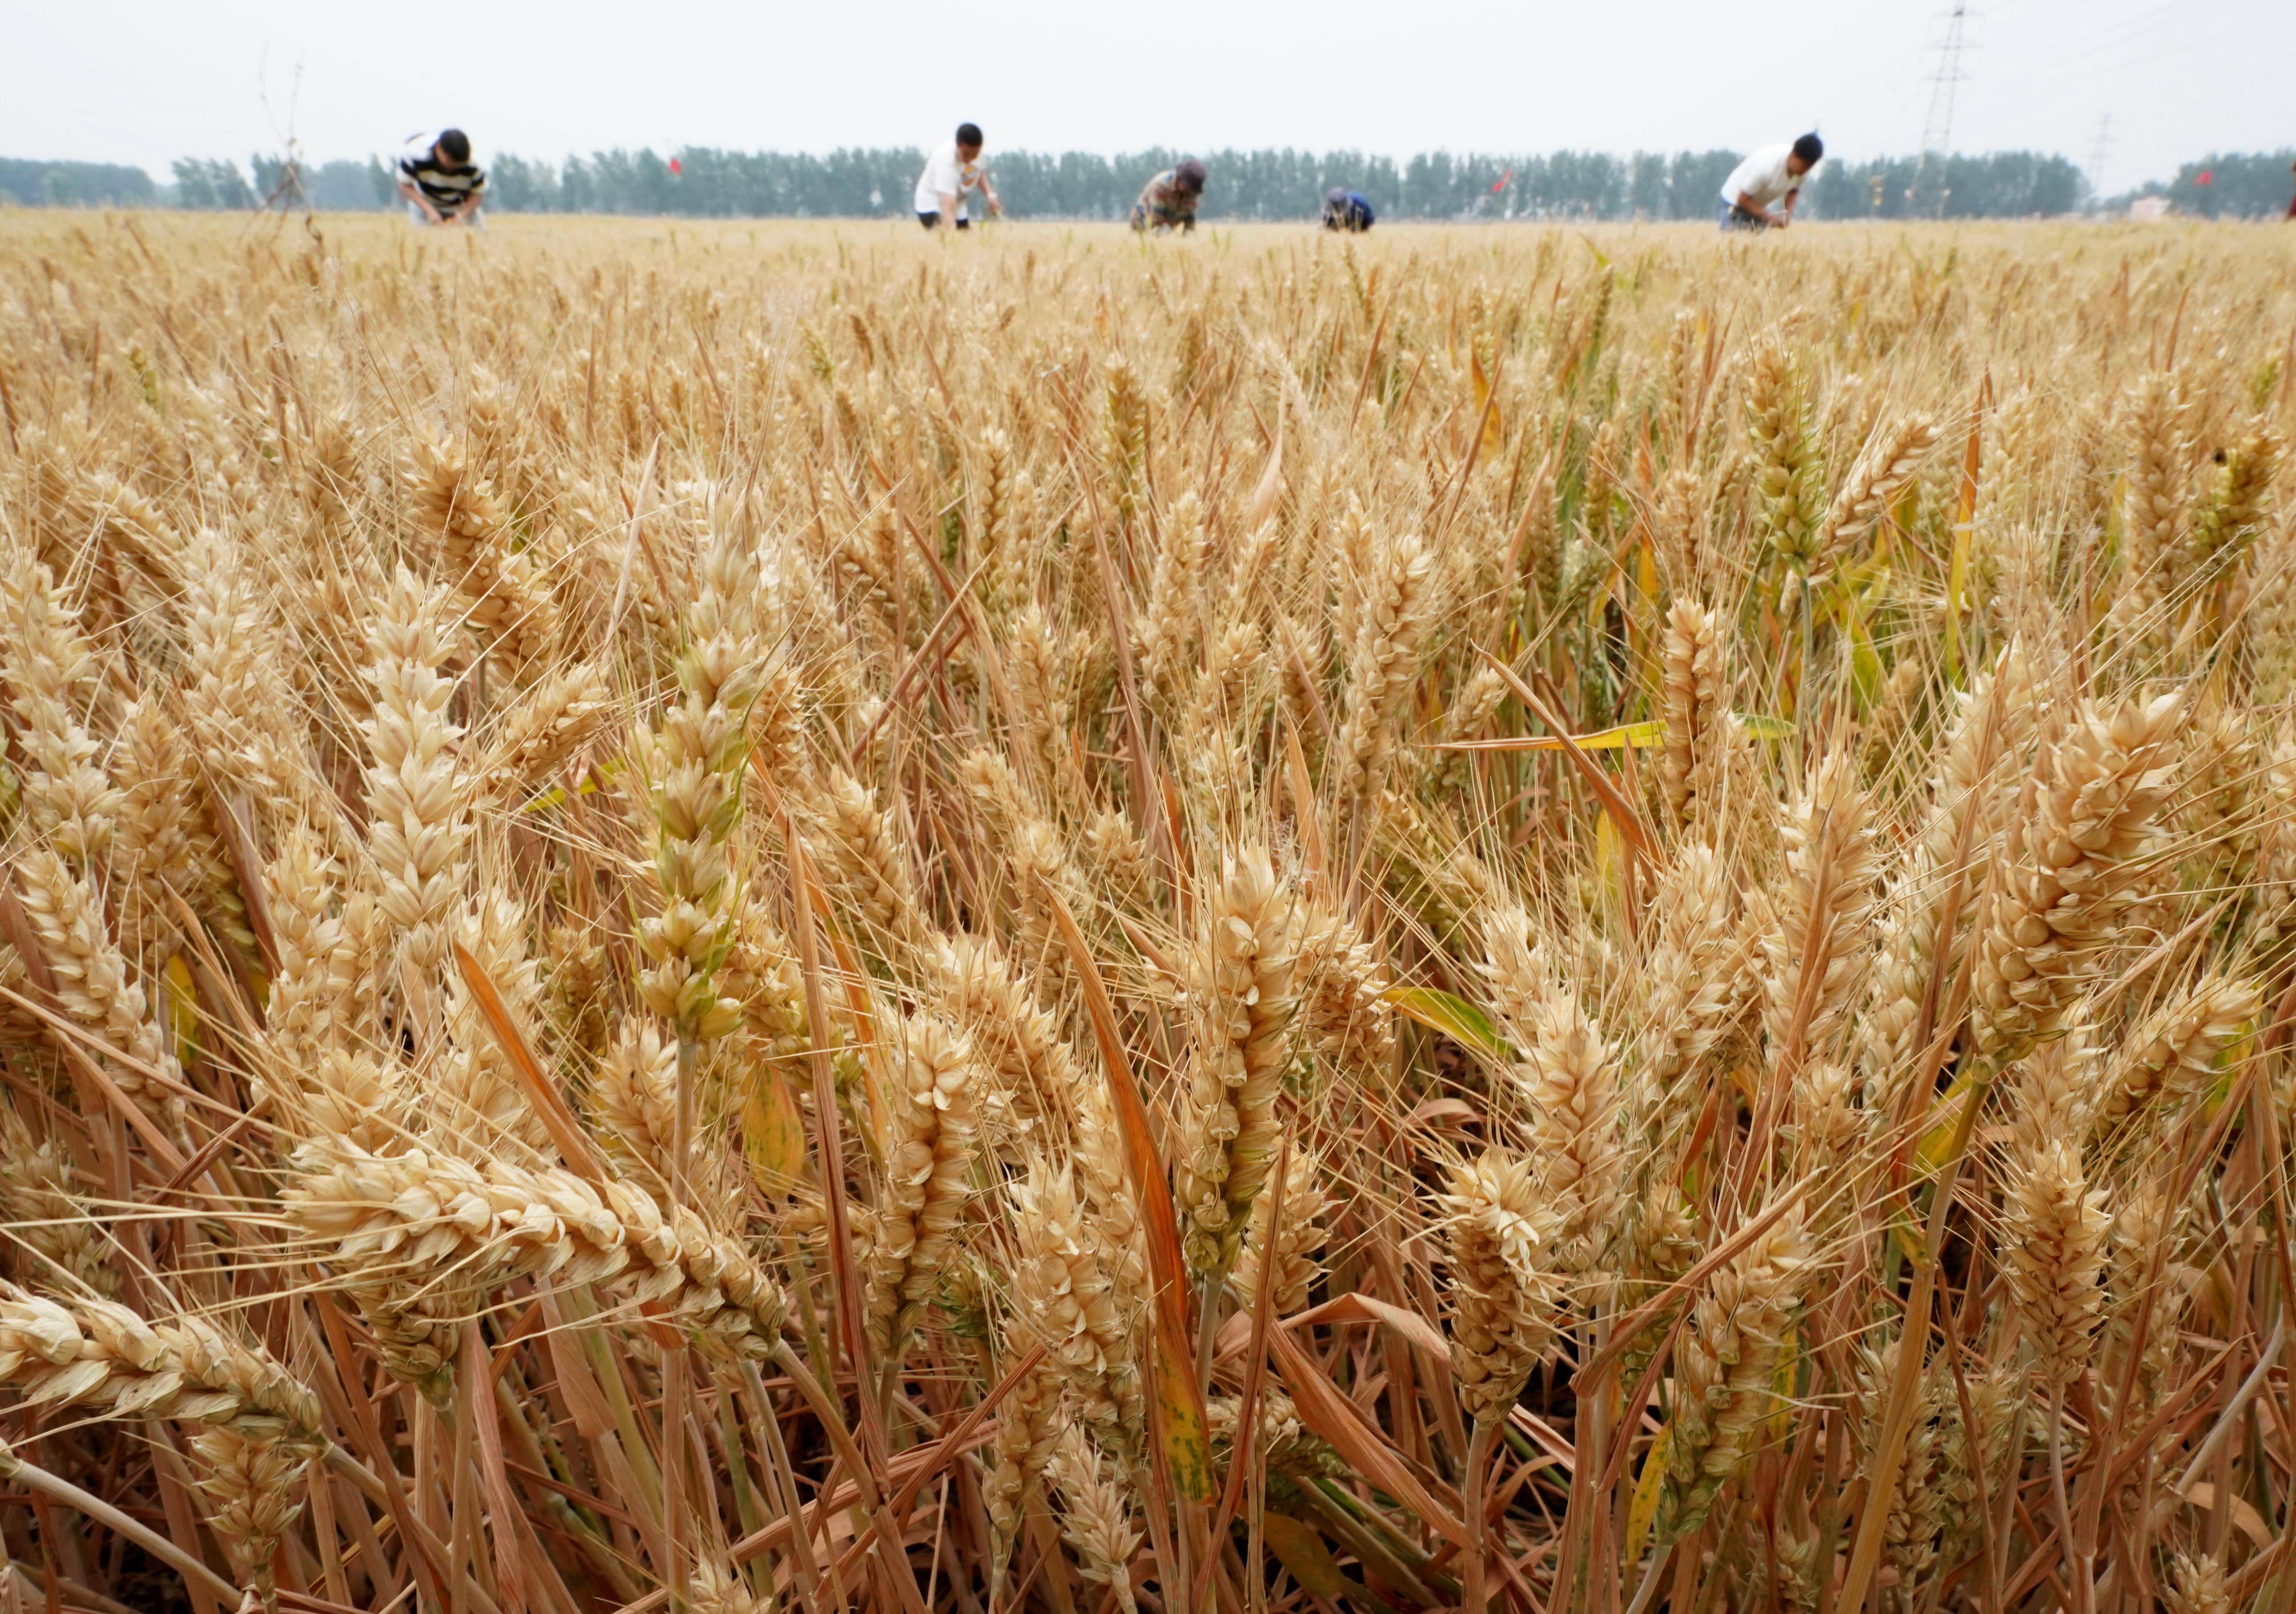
676,167
2206,177
1502,184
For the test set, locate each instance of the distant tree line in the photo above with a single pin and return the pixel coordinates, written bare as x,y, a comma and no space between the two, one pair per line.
207,184
1262,184
1996,184
202,184
68,185
878,182
333,187
1287,183
2233,185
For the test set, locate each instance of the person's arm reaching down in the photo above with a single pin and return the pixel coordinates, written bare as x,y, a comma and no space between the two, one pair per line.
1747,203
413,193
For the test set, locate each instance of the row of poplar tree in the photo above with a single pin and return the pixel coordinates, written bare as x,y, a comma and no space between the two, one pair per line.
701,182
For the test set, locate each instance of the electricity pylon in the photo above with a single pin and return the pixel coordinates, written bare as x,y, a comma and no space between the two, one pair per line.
1936,131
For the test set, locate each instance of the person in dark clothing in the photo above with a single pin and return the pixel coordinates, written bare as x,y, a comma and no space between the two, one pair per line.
1346,209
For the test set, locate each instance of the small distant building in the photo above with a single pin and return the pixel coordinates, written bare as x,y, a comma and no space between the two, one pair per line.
2148,209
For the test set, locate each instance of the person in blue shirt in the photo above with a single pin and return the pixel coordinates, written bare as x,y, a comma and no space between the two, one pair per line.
1346,209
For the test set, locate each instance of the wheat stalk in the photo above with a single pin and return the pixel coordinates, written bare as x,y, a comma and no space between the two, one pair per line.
1243,992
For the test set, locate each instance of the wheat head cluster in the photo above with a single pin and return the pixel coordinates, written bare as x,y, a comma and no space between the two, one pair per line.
735,919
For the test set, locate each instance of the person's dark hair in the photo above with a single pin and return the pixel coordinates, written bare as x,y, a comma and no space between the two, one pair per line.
1809,148
969,133
454,145
1189,175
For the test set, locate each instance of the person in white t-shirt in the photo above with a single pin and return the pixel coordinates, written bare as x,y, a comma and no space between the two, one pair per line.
1751,195
952,173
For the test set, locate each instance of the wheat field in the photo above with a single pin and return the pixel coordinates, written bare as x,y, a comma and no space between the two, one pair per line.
729,918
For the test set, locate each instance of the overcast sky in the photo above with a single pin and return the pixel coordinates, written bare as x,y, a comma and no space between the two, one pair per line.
146,81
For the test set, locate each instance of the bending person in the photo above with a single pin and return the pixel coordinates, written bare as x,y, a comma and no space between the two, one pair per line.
1168,201
441,184
1749,196
952,173
1346,209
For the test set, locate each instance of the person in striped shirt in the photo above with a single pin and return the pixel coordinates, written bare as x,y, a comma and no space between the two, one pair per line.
1168,201
441,184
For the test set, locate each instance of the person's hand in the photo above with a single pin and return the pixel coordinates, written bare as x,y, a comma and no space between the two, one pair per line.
996,208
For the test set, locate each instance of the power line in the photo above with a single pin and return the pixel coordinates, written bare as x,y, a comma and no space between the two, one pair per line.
2113,40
